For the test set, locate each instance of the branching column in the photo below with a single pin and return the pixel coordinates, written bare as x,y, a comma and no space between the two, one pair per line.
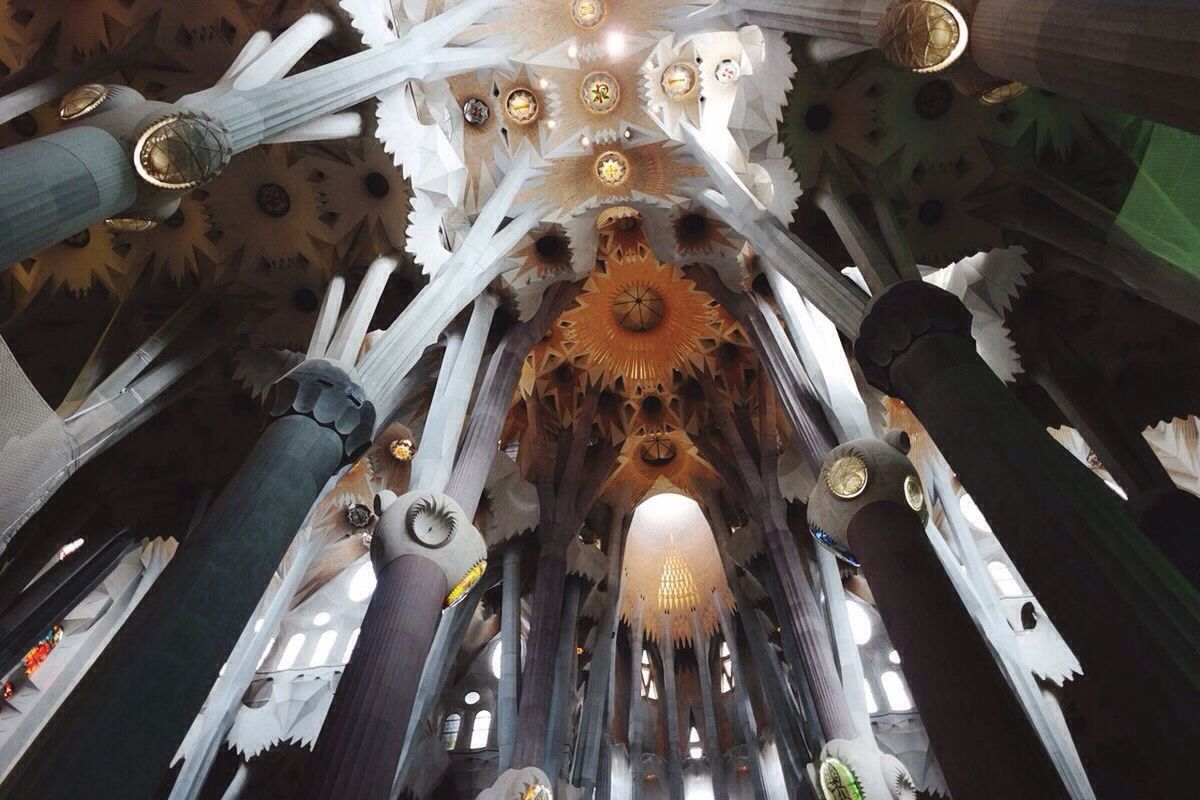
916,345
798,607
568,486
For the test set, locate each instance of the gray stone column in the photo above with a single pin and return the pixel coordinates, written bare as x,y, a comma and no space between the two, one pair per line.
564,674
666,648
1134,56
636,721
55,186
510,656
1068,534
125,721
743,712
596,720
712,734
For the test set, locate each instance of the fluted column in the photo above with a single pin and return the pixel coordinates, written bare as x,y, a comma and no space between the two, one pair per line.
984,743
842,20
1068,534
510,656
712,735
360,743
125,721
1139,57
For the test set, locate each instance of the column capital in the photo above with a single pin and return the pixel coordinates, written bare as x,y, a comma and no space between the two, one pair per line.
327,394
431,525
900,316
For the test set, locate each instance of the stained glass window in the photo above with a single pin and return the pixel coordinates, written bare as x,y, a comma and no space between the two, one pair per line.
450,728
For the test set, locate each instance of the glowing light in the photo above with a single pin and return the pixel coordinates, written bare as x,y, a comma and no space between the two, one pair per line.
614,43
572,51
69,548
471,698
860,623
362,584
321,619
893,689
350,645
291,651
551,124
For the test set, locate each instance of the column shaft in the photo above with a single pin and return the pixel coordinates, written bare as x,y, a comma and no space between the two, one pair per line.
671,698
510,656
984,743
743,712
125,721
564,675
57,185
636,723
537,686
712,735
360,744
1135,56
1068,534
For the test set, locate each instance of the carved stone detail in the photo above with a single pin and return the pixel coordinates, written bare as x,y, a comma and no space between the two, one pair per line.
897,318
324,392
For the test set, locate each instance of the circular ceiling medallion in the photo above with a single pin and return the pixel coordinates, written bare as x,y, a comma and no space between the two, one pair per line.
612,168
430,522
600,92
402,449
588,13
466,584
678,80
273,200
923,35
476,112
82,101
913,493
934,99
521,106
847,477
359,515
638,308
658,449
727,72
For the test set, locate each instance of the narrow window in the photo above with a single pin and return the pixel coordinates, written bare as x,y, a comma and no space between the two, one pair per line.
350,646
694,748
291,651
320,656
897,694
450,728
480,730
726,669
872,706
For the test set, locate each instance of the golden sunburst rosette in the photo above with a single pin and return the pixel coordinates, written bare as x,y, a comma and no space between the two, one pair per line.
640,318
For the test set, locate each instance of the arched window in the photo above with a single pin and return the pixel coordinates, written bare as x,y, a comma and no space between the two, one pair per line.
860,623
897,694
497,654
350,645
872,706
649,690
694,748
265,653
320,656
480,730
726,669
362,584
291,651
1003,578
973,514
450,727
